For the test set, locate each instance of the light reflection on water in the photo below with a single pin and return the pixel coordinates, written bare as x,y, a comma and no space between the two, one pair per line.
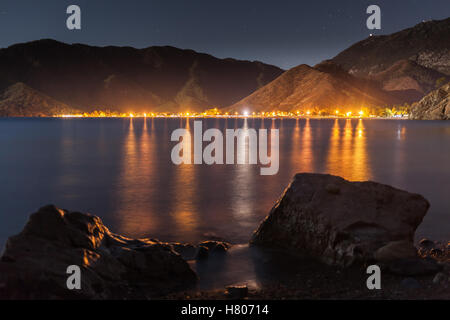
184,213
137,164
243,184
120,169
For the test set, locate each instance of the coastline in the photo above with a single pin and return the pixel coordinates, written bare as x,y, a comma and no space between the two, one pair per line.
278,262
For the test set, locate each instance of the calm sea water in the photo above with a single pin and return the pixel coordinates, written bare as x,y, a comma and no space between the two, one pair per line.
120,170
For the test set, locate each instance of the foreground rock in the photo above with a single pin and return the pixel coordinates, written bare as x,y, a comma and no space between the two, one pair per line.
34,263
434,106
342,222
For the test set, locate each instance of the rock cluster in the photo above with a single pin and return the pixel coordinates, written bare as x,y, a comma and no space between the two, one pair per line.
34,262
200,251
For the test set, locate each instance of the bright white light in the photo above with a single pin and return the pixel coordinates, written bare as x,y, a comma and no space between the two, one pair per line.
246,113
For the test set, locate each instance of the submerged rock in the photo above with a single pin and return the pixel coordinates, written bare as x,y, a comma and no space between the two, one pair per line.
341,222
202,253
186,250
34,263
202,250
216,246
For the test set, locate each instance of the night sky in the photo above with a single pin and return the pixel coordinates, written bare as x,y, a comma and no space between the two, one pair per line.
280,32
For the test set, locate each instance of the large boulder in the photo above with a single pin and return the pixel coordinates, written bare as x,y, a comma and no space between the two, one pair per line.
341,222
34,262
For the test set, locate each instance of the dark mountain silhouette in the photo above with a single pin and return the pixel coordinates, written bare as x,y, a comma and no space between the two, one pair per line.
325,87
19,100
378,71
128,79
412,59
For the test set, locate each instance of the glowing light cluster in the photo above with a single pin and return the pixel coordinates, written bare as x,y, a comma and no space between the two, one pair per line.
215,112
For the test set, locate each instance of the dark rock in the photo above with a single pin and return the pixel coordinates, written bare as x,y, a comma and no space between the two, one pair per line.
202,253
6,259
396,250
237,291
215,246
435,252
441,278
434,249
411,283
426,243
343,228
333,189
446,267
220,248
186,250
413,267
112,266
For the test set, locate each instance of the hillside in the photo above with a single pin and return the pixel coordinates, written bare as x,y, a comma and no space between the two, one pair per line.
434,106
325,87
19,100
412,59
128,79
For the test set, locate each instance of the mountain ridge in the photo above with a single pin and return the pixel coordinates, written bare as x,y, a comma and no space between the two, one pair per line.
379,71
128,79
420,53
325,87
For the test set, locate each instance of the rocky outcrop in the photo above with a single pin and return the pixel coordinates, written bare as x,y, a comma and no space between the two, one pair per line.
407,63
34,262
202,250
342,222
422,44
434,106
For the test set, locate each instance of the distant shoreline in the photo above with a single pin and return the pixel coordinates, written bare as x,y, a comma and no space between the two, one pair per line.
228,117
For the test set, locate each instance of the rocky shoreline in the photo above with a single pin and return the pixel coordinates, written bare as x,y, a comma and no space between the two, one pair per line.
330,228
